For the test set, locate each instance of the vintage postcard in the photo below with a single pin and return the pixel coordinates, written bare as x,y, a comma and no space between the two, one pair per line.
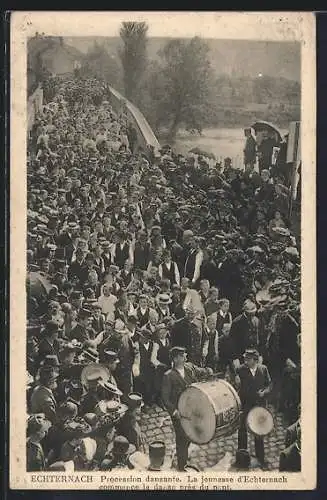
162,239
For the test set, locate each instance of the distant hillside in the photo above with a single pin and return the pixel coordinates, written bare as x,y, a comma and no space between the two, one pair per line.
232,57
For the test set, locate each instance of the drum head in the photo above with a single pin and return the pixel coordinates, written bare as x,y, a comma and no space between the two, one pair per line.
260,421
198,417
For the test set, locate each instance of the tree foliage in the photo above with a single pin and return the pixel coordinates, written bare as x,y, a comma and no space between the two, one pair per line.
183,84
100,64
133,55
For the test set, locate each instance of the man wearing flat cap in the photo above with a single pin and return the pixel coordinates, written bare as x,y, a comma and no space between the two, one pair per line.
254,382
246,332
175,381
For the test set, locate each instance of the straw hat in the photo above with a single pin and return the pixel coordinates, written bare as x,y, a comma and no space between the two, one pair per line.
164,298
94,371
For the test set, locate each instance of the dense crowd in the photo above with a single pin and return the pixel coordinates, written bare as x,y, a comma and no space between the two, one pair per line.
130,254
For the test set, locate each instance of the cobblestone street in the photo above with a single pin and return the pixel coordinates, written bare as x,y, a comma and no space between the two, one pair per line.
156,424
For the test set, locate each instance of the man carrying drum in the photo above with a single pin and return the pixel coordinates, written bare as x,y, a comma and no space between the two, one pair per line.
254,382
174,383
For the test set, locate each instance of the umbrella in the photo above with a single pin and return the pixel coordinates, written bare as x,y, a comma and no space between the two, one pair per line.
38,286
262,125
200,152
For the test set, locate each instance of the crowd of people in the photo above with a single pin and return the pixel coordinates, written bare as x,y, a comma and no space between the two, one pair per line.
135,257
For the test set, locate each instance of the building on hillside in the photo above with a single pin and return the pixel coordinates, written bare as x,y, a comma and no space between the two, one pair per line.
61,59
50,55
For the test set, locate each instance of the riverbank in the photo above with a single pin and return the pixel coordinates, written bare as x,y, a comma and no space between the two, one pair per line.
222,142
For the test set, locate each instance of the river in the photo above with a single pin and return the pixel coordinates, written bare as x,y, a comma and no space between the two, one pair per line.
222,142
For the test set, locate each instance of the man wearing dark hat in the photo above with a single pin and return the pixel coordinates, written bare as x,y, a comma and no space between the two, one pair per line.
246,332
49,340
42,398
57,435
144,382
128,426
118,455
176,306
37,429
76,269
254,384
76,300
160,358
290,458
142,251
110,361
249,150
175,381
32,354
185,332
83,331
93,394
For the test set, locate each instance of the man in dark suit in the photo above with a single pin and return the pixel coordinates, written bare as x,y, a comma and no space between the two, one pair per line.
249,150
185,333
245,333
254,384
291,433
175,381
42,398
290,458
37,428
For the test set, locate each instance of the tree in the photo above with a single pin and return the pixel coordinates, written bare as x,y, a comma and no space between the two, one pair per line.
133,56
186,78
100,64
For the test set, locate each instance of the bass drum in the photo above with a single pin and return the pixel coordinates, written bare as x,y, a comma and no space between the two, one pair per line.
209,410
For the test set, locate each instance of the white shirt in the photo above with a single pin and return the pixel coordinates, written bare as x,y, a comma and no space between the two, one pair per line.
181,371
107,303
155,350
175,268
198,263
253,371
130,251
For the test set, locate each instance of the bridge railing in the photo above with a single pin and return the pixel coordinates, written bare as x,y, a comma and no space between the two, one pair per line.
34,106
145,135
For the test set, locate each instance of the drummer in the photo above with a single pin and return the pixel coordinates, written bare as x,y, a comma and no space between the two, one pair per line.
175,381
254,382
